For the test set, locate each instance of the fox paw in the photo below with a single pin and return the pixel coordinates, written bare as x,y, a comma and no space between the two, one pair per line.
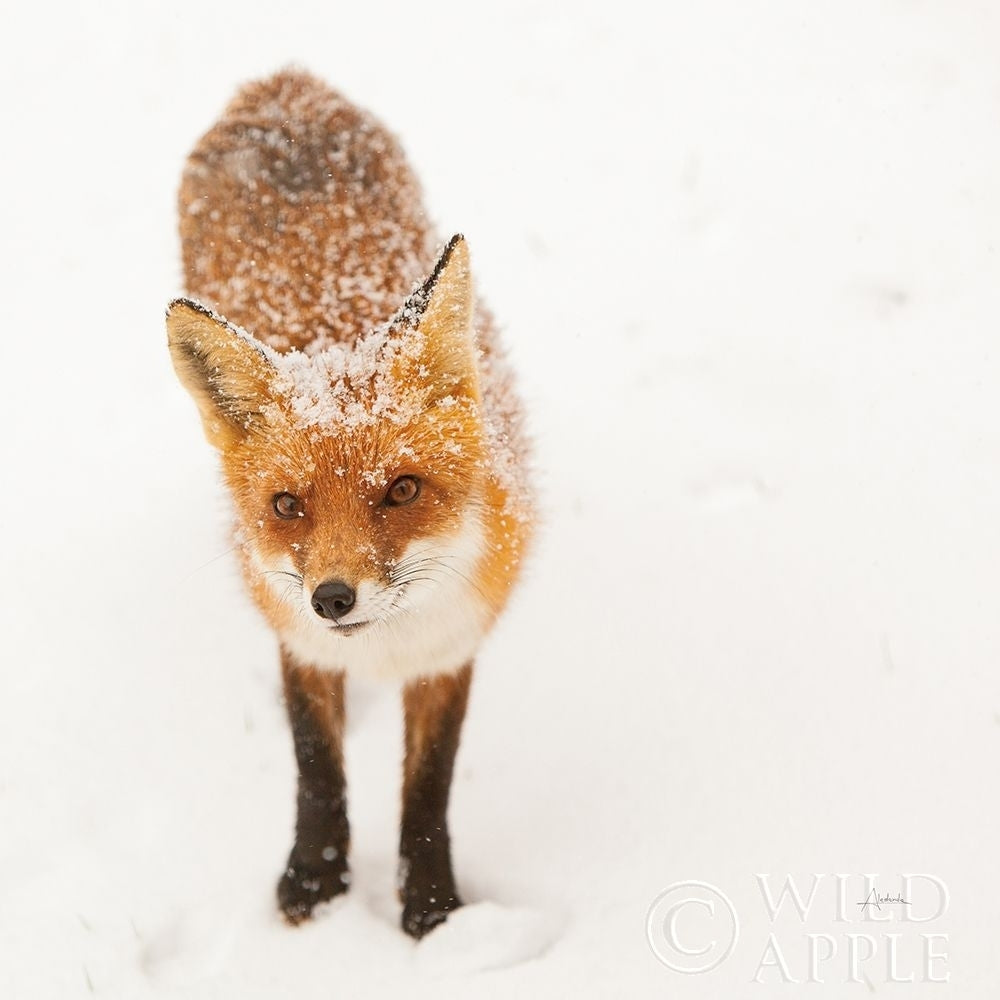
420,917
303,887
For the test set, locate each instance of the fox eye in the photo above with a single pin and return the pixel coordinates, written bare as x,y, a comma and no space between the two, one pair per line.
286,506
404,490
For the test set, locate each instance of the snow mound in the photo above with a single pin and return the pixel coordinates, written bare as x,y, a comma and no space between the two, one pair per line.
486,935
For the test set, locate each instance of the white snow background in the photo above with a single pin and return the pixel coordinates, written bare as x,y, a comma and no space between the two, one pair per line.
746,259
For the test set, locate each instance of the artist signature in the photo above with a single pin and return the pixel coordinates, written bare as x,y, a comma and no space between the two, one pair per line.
874,899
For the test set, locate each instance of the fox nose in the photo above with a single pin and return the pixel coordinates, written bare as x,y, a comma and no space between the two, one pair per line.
333,599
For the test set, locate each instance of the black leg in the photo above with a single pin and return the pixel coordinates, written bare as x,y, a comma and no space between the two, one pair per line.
434,708
317,865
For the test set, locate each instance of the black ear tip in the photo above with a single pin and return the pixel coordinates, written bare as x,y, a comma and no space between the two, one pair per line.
458,240
450,247
182,302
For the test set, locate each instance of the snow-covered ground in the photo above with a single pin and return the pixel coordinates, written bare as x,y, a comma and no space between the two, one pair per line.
746,256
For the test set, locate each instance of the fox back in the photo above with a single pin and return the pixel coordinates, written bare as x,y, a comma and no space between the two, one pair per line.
369,433
300,219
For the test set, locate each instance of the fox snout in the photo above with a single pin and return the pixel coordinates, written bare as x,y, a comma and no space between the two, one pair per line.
333,599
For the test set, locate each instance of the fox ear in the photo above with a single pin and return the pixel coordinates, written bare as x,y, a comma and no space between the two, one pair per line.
443,308
225,370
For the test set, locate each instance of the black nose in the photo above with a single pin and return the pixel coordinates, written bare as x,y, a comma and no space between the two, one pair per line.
333,599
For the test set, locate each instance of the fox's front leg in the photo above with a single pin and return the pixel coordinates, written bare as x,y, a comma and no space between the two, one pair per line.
434,708
317,865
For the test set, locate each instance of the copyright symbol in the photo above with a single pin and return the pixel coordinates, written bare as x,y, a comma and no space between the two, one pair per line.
692,927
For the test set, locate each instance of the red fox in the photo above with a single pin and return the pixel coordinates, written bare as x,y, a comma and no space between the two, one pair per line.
371,440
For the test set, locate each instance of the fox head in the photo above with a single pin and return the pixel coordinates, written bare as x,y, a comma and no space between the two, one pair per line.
358,476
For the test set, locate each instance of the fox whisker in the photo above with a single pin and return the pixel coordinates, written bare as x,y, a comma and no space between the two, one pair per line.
204,565
430,564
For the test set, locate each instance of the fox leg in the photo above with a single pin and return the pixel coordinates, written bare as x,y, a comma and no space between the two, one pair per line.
317,865
434,708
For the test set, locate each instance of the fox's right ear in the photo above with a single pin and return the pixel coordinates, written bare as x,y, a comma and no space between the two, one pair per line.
225,370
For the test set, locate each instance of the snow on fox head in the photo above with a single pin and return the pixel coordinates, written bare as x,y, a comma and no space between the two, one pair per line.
358,476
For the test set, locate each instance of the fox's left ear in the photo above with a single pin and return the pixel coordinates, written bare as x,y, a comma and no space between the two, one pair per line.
225,370
443,311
